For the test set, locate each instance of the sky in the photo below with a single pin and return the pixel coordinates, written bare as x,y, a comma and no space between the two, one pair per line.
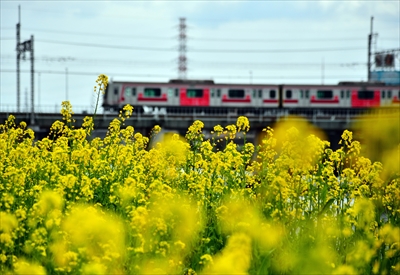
267,42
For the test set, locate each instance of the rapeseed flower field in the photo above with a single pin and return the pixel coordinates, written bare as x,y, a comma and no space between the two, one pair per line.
72,204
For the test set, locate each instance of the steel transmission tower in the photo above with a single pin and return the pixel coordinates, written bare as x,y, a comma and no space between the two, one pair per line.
182,67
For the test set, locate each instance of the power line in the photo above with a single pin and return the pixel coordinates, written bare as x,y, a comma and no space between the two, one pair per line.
243,40
199,50
96,61
106,46
82,73
97,34
169,76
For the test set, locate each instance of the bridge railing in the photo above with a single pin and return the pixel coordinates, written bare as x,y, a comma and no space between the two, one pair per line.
40,109
343,114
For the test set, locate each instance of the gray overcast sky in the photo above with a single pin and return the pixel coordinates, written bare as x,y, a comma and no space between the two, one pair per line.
228,41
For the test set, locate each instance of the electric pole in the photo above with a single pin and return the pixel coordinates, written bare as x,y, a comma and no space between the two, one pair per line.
18,56
39,91
369,50
66,84
26,46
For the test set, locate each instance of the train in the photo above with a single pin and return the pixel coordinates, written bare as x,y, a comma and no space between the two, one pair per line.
179,95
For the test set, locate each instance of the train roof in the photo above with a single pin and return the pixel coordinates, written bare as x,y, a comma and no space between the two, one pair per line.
361,83
192,81
211,82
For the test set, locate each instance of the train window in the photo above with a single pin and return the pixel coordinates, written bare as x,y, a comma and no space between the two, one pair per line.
365,94
341,94
170,92
347,94
326,94
272,94
236,93
383,94
176,92
152,92
288,93
307,93
115,91
389,94
260,93
254,93
194,93
218,93
212,92
301,94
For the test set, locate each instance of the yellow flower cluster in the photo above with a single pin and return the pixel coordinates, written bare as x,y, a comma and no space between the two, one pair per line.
102,82
132,204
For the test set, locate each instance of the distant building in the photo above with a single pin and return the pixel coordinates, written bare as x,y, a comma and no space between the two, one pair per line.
387,77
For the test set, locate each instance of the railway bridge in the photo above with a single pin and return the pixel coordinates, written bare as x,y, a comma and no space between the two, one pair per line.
332,121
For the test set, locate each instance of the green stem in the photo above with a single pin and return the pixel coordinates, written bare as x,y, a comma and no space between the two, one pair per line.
97,104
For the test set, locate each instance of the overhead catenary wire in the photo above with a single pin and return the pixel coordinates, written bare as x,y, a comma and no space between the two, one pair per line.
194,62
195,38
249,51
167,76
209,39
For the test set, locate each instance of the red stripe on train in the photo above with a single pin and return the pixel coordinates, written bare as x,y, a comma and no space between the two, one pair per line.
290,101
335,100
270,101
236,100
163,98
225,98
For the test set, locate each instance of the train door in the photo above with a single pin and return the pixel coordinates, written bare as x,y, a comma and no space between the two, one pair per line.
215,97
386,97
115,94
257,97
173,97
345,97
128,95
304,97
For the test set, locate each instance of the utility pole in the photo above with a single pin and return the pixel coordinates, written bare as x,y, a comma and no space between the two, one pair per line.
18,56
66,84
182,67
39,91
26,46
32,83
369,50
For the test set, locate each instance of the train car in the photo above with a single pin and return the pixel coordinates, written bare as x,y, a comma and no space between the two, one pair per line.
207,96
173,94
364,95
243,98
191,95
